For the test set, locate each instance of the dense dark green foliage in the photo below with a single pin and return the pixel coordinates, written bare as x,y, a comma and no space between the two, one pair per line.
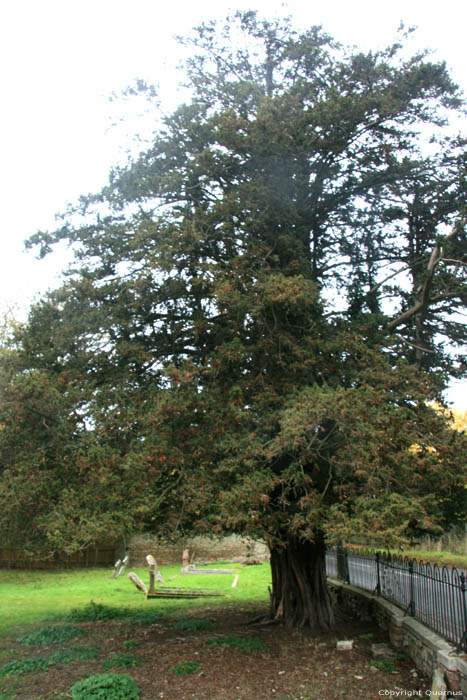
106,686
121,661
259,308
52,634
184,668
98,612
43,663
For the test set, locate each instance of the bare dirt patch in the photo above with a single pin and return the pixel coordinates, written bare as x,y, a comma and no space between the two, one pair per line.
296,665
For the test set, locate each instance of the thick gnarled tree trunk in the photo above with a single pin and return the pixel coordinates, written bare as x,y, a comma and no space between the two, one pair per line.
300,595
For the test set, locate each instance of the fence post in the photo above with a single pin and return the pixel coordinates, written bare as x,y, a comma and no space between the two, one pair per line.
412,598
342,564
462,646
378,578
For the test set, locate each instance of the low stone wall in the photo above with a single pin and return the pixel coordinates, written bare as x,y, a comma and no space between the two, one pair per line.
431,654
202,550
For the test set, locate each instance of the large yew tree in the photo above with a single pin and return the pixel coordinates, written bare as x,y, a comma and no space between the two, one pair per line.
261,305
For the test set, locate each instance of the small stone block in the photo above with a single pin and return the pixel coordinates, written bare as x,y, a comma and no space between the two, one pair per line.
438,687
382,651
345,644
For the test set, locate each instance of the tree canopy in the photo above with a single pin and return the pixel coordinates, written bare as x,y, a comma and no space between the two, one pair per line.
259,308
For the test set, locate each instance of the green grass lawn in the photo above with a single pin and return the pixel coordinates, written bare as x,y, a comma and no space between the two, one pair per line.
28,597
441,558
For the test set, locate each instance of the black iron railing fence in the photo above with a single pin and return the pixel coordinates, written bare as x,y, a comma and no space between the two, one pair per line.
435,596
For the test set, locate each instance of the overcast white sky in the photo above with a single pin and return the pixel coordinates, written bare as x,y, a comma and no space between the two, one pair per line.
61,59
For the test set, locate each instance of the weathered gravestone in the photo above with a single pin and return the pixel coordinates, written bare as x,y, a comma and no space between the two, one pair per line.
117,565
138,583
191,568
120,566
168,591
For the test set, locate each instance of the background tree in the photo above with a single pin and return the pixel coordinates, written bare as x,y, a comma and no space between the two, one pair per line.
253,316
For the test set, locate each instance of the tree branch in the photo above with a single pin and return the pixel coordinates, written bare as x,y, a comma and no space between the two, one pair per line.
423,300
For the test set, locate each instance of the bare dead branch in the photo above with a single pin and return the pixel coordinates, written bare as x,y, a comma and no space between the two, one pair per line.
423,301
